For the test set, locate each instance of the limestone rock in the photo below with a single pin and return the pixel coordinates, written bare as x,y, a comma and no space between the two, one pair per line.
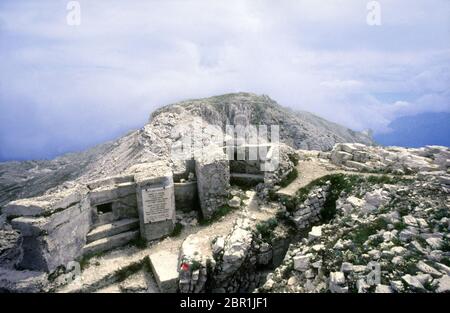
301,262
11,251
22,281
444,284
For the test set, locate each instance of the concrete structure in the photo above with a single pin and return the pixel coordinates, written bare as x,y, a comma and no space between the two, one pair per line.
165,268
86,219
249,164
156,200
60,227
186,196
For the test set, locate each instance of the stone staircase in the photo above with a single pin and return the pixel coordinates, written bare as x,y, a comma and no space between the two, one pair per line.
111,235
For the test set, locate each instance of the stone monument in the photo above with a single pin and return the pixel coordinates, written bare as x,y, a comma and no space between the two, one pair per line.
155,198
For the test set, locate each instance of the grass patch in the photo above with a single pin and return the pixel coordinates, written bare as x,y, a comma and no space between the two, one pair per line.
84,261
266,228
384,179
220,212
399,226
363,232
441,213
294,158
127,271
139,242
176,230
293,174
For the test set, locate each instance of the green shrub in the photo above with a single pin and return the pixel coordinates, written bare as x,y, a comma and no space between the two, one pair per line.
176,230
220,212
85,260
266,228
139,242
289,178
125,272
364,231
294,158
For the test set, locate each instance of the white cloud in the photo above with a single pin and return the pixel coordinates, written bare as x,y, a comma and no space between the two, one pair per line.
127,58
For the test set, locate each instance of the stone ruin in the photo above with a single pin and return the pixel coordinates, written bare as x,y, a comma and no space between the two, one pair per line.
50,231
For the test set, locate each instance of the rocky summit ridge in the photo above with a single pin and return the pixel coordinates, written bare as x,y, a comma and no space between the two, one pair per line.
300,130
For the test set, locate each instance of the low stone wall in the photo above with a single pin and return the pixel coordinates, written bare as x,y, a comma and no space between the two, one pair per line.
186,196
308,213
213,181
122,198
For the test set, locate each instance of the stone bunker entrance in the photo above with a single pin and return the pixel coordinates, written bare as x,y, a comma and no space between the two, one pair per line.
104,208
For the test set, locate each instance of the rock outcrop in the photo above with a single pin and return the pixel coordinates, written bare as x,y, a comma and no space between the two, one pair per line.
395,160
387,236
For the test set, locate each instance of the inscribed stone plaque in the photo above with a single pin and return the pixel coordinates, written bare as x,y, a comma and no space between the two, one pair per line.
157,204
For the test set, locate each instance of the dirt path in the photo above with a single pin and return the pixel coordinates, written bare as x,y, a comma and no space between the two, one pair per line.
311,170
307,172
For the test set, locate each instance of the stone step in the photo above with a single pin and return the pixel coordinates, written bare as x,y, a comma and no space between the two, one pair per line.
111,229
109,243
164,266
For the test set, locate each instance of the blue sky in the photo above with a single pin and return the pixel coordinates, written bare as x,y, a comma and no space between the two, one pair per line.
64,88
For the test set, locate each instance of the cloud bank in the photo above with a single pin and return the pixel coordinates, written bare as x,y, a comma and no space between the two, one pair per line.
64,88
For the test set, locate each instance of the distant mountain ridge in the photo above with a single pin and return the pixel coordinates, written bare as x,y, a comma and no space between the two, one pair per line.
418,130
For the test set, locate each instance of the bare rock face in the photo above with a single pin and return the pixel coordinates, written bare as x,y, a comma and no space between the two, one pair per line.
379,231
396,160
22,281
10,248
194,259
54,232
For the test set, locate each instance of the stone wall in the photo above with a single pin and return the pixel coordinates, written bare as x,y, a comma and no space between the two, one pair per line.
186,196
53,227
150,176
122,197
308,212
213,181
